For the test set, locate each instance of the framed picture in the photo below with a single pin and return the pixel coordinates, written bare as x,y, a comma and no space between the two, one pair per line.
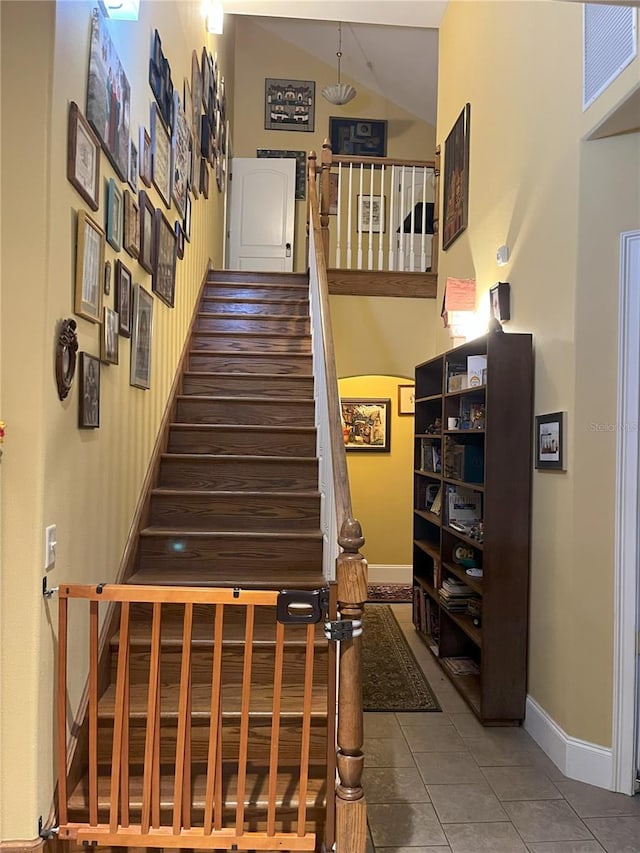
371,213
89,268
115,215
142,327
204,177
289,104
132,178
406,399
359,137
550,441
123,299
179,240
147,217
109,337
160,80
89,399
333,193
366,424
455,198
160,156
186,222
144,156
163,279
180,155
500,301
196,95
301,167
206,78
108,96
131,226
83,157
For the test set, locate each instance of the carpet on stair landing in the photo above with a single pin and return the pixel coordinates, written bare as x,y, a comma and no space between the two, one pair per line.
392,677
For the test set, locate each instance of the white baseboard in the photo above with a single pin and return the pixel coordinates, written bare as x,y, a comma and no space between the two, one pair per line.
390,574
577,759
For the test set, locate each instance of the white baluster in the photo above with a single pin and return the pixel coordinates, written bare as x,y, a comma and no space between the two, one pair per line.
402,234
423,254
339,218
360,206
382,213
370,247
412,264
349,210
392,195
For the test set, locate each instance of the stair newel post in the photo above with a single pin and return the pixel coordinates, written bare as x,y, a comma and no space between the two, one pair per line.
351,811
312,172
327,157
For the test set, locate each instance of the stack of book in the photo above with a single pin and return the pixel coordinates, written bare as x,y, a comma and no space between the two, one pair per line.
426,616
461,666
455,595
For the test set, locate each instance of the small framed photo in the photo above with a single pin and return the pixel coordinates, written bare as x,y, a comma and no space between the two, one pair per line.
109,337
163,280
123,299
500,301
115,215
131,226
83,157
140,375
147,216
144,156
358,137
550,441
89,408
160,156
371,214
204,177
89,268
406,399
289,104
179,240
132,177
366,424
186,224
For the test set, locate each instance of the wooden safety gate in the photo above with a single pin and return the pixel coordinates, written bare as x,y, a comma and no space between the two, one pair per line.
207,721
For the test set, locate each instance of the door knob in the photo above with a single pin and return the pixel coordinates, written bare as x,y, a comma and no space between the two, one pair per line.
288,248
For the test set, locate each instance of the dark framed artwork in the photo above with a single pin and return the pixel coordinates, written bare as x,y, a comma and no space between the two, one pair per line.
109,337
66,349
455,198
147,217
123,299
132,178
550,441
180,155
160,156
89,268
108,96
131,226
179,240
83,157
500,301
358,137
115,215
144,156
366,424
163,280
160,80
141,337
301,166
289,104
89,399
204,177
196,97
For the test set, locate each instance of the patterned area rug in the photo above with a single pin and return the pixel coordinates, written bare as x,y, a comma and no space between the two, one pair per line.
392,677
396,592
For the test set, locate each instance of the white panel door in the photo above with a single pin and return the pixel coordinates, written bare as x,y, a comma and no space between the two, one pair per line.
262,214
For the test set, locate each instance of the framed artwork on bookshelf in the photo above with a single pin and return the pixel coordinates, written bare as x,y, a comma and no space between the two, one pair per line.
499,301
550,441
366,424
406,399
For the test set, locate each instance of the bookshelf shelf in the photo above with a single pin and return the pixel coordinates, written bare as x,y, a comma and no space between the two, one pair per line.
491,443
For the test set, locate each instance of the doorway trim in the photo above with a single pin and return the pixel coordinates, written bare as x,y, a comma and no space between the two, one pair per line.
627,539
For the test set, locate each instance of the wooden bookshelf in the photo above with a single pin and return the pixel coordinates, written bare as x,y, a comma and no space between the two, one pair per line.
491,443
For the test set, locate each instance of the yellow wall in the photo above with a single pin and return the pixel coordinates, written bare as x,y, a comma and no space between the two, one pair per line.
560,205
382,483
52,472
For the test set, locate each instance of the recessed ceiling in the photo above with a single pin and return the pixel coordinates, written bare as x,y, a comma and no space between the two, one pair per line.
402,13
399,63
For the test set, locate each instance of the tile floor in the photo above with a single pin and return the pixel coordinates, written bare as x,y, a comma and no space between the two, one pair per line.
442,783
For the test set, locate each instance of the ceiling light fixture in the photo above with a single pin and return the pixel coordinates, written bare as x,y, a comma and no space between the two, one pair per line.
339,93
122,10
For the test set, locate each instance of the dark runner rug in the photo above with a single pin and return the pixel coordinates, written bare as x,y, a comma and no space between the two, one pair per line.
392,679
396,592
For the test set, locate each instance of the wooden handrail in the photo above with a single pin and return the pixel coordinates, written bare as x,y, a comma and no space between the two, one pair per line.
338,456
381,161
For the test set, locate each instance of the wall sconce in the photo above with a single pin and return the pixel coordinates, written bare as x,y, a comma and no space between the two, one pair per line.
213,14
122,10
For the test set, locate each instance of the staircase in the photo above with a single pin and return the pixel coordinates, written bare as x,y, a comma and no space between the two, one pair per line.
235,504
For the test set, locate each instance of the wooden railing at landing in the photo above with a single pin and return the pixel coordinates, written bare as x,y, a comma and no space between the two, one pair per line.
379,215
351,567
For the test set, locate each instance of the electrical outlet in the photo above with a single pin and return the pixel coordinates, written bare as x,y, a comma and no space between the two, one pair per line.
50,542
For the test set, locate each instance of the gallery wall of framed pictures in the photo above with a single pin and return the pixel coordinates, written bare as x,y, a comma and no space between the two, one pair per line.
139,199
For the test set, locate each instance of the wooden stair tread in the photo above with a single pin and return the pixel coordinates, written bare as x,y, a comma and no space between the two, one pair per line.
288,789
182,533
250,353
276,428
225,398
217,315
241,333
230,493
252,300
194,457
218,374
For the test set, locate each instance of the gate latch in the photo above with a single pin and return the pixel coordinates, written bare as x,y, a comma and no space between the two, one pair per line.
302,606
343,629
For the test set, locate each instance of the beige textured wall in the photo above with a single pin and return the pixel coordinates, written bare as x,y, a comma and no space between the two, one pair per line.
382,483
52,472
559,204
